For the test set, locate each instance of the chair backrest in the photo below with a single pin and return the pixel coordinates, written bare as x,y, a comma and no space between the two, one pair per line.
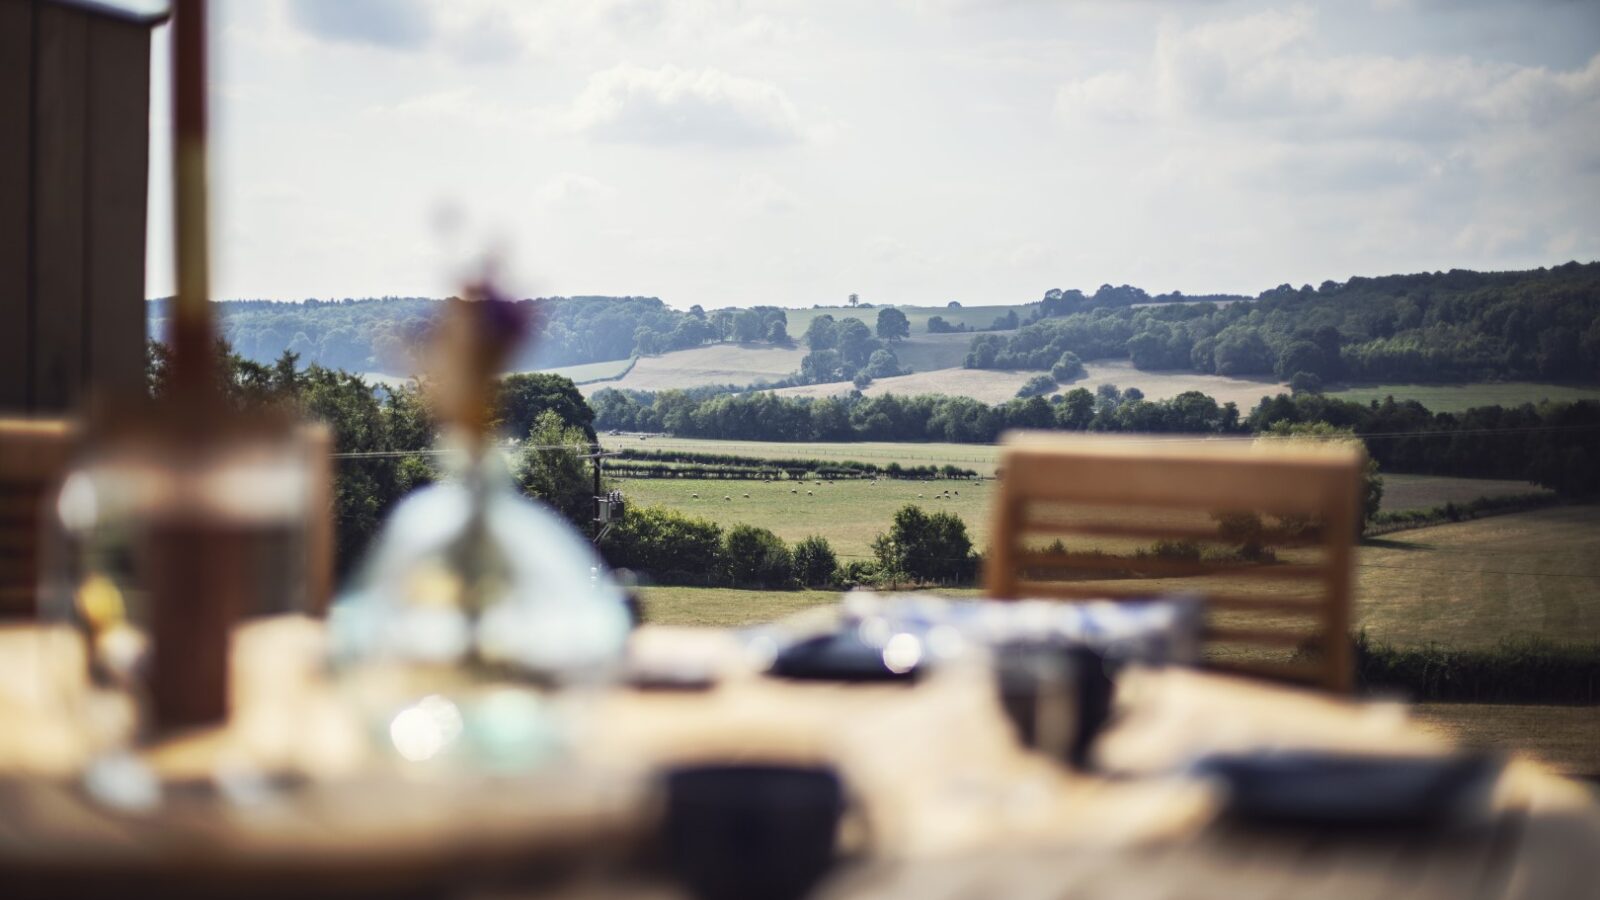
1264,530
34,454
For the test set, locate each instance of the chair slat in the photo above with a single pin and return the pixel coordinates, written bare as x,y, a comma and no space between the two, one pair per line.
1160,567
1277,537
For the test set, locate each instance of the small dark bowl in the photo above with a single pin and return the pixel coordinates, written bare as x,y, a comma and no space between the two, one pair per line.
1034,674
751,832
838,657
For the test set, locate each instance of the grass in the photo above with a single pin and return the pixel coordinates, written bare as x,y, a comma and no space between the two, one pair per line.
849,513
726,607
1427,491
981,457
1464,585
1458,397
596,371
926,352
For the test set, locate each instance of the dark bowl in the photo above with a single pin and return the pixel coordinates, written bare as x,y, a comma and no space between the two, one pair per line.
751,831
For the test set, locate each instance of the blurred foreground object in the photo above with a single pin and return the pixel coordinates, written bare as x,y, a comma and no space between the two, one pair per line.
473,597
33,457
75,100
1263,531
180,517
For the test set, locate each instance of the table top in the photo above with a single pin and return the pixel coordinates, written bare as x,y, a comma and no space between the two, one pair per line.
947,804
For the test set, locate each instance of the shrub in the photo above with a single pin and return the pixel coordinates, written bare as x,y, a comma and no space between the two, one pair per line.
926,547
1306,383
1068,368
666,544
815,564
1514,671
1038,386
860,572
1185,551
756,556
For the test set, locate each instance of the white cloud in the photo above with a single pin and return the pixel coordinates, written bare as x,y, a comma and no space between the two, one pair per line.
398,24
761,194
669,105
571,189
1266,71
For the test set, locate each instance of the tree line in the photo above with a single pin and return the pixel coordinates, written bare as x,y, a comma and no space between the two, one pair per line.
1552,444
671,547
544,410
1452,326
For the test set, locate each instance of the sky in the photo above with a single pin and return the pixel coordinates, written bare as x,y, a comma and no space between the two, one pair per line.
794,152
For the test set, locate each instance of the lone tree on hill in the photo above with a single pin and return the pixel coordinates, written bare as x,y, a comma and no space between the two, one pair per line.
893,324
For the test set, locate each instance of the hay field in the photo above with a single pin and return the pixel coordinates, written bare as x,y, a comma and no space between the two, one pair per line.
998,386
728,363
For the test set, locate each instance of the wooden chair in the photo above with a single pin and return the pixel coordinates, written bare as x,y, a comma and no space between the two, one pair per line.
1263,530
33,457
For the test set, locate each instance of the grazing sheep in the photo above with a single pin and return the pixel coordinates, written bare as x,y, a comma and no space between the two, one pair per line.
810,493
919,496
747,496
695,496
727,498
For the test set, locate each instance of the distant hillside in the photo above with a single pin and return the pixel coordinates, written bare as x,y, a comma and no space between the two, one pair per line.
1456,326
1453,326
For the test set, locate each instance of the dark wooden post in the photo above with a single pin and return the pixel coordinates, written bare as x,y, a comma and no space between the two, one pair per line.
74,159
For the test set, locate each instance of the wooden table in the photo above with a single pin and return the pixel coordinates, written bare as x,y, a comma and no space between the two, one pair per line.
946,803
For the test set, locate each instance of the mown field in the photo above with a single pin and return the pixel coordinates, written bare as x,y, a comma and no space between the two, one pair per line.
1458,397
1466,584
